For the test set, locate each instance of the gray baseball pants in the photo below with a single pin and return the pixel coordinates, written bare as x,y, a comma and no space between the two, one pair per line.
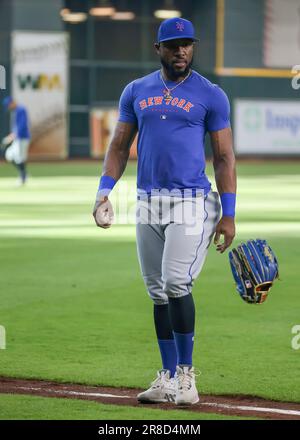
173,245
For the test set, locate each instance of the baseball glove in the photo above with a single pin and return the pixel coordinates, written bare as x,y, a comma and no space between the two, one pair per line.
5,143
254,267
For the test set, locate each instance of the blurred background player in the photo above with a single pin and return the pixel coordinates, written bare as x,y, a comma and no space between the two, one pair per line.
16,144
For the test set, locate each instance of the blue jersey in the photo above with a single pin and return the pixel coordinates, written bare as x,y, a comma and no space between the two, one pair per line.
172,130
21,123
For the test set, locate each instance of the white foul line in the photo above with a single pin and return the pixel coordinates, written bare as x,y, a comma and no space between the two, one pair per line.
216,405
254,408
74,393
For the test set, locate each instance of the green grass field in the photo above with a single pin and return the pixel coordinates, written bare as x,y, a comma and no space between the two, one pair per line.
75,309
42,408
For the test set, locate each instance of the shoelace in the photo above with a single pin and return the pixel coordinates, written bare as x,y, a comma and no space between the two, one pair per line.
161,379
184,379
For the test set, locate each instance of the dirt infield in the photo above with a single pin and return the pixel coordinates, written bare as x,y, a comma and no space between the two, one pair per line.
247,406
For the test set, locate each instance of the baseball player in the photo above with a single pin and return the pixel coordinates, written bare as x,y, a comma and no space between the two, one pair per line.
16,143
172,109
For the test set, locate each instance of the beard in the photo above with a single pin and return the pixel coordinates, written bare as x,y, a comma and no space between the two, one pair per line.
173,73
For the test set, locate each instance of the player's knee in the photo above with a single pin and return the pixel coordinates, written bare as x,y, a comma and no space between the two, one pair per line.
160,301
175,287
155,289
158,296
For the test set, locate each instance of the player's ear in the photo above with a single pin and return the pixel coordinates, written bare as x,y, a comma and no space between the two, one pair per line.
157,46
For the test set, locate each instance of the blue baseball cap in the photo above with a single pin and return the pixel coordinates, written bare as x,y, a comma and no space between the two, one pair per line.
6,101
174,28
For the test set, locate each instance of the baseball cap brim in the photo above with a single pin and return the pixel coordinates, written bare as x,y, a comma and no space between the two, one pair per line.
188,37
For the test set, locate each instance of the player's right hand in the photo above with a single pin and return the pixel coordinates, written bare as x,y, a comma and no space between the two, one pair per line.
103,213
225,227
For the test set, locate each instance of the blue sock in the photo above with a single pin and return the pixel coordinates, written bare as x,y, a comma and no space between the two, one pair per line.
168,354
184,346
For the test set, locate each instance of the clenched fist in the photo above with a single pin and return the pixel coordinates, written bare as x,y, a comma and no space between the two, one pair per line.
103,213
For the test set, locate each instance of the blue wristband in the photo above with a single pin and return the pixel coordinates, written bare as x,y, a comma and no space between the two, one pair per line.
106,184
228,204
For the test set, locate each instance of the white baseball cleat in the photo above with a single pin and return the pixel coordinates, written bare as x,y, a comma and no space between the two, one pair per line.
162,389
186,391
19,183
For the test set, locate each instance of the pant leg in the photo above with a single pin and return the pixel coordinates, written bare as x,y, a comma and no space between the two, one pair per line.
184,253
150,245
23,153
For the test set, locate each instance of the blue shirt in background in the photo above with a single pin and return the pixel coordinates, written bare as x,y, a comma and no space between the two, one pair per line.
21,123
171,135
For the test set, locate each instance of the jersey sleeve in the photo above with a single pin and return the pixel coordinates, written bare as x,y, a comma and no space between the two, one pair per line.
126,110
21,123
218,116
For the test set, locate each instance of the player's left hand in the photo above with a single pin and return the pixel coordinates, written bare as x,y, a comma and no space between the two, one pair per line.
225,227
